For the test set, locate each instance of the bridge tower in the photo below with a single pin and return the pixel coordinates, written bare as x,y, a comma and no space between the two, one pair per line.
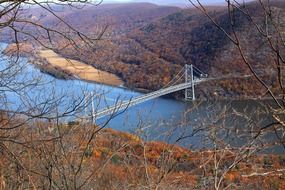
189,78
89,99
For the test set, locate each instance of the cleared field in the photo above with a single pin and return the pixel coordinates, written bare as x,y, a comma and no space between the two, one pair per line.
82,70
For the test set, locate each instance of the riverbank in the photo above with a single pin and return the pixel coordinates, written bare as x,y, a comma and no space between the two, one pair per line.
50,62
82,70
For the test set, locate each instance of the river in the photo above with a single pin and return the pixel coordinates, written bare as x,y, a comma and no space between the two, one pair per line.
158,119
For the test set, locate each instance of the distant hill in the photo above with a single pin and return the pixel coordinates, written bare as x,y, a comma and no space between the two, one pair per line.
179,3
120,18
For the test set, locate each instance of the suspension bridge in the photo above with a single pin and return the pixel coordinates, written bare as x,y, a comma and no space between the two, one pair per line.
185,79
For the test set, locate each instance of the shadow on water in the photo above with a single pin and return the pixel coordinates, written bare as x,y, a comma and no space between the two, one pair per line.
228,124
234,123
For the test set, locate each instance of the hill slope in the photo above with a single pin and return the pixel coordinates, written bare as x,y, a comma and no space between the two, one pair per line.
149,56
146,45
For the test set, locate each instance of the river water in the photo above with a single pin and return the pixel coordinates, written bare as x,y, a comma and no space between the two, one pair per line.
185,123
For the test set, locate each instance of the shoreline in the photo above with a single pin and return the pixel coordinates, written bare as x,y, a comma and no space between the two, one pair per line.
57,66
79,69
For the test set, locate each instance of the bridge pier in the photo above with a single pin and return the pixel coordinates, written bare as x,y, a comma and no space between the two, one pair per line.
189,78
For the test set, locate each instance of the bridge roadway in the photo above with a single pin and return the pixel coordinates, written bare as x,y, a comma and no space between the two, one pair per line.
119,106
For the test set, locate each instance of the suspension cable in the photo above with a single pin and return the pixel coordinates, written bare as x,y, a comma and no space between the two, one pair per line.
174,78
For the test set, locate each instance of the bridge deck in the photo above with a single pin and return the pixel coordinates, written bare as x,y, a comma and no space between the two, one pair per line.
125,104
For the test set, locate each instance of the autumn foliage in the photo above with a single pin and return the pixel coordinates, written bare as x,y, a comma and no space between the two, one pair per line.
119,160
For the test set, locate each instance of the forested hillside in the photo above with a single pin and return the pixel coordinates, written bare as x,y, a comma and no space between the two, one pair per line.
146,44
118,18
149,56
